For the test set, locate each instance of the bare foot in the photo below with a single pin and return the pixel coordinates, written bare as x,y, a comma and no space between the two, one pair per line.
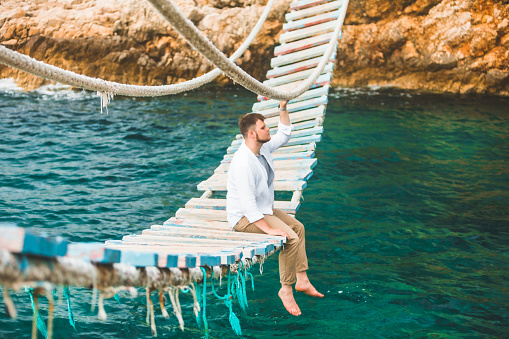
308,288
286,295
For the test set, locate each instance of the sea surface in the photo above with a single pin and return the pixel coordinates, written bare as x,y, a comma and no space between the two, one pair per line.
407,212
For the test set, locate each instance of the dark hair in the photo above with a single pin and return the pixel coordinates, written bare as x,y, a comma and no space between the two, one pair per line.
246,122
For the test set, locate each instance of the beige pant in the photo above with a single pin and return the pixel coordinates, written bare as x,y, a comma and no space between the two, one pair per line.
292,258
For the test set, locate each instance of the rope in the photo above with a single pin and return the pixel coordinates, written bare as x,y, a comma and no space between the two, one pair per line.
204,314
234,320
110,88
169,11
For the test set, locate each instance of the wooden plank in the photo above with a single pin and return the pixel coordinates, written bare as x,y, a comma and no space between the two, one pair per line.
285,185
308,32
297,117
276,240
293,149
279,176
220,204
297,67
313,93
322,81
305,140
289,78
303,44
93,252
165,254
297,5
297,134
301,55
311,11
133,257
310,21
206,254
262,245
269,108
18,240
197,223
174,240
280,155
278,164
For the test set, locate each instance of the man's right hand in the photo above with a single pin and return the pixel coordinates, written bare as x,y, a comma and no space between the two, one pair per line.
265,227
275,231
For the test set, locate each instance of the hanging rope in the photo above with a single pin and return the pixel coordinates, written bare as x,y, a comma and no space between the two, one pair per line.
53,73
195,38
169,11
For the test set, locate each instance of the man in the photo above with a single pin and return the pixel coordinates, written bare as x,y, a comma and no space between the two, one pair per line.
250,202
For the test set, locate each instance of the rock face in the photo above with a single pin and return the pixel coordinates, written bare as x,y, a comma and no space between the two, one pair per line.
459,46
127,41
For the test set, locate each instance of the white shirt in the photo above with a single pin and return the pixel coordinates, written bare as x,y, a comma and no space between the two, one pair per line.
249,194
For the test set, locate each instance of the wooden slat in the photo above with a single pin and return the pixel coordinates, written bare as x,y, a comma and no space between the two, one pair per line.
210,238
286,79
299,116
286,156
315,10
93,252
205,253
197,223
303,44
323,80
269,108
285,185
301,55
278,164
279,176
18,240
308,32
297,67
297,134
188,256
297,5
220,204
190,231
314,20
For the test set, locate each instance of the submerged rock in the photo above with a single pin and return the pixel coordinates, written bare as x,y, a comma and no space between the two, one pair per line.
459,46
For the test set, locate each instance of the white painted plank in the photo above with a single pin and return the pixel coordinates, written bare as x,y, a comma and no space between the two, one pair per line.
296,67
278,164
220,204
297,5
308,32
289,78
311,11
269,108
303,44
294,57
285,185
310,21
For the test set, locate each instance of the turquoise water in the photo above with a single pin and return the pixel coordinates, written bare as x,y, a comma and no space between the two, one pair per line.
406,213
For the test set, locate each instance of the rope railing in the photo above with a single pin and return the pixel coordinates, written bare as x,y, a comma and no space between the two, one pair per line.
169,11
27,64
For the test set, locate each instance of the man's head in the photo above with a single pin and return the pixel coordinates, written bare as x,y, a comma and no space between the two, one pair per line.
253,125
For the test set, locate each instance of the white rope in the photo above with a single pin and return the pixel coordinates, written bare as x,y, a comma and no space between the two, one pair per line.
169,11
109,88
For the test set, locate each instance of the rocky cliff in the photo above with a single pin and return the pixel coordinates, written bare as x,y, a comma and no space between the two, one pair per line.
440,45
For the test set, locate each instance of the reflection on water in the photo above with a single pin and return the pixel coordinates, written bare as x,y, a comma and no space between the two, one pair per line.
406,213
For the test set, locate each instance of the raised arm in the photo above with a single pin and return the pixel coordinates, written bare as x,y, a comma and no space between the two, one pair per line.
284,117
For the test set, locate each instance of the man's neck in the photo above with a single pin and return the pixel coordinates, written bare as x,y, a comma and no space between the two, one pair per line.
254,146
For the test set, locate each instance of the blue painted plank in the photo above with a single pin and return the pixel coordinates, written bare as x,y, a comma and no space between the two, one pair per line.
18,240
93,252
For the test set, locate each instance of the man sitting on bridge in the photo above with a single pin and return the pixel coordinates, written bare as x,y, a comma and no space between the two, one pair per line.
250,202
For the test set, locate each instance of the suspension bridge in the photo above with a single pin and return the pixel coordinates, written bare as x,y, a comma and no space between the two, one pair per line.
197,242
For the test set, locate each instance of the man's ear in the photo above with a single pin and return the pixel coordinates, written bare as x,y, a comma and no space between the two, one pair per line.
251,133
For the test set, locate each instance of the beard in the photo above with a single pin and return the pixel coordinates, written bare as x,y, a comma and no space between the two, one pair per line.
262,140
